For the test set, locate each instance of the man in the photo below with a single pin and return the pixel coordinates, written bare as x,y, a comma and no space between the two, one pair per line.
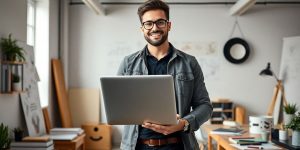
160,57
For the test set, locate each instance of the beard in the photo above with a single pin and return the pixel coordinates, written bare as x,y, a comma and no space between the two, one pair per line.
156,42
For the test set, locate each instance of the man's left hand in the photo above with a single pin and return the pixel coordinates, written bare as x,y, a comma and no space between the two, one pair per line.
165,129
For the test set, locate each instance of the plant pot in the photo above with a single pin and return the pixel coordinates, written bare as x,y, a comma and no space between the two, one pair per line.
296,138
288,118
18,136
283,135
17,86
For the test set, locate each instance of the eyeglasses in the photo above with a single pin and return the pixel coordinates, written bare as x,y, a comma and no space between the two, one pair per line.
160,23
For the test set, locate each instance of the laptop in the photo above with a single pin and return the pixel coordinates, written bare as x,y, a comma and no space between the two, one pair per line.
139,99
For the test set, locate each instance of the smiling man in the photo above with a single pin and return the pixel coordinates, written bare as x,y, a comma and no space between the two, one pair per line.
161,57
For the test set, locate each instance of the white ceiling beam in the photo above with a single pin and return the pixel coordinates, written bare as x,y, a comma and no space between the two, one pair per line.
95,6
241,6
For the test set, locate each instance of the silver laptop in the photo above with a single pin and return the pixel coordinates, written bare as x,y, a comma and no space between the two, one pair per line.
138,99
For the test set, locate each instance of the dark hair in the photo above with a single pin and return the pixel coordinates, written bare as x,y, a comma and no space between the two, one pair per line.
153,5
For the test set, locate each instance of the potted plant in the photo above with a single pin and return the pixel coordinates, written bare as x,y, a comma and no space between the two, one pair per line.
289,112
16,82
295,126
18,132
4,137
10,50
283,133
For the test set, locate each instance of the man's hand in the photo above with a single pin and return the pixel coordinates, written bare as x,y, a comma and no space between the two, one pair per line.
165,129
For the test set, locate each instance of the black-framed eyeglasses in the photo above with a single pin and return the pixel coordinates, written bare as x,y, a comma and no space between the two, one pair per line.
160,23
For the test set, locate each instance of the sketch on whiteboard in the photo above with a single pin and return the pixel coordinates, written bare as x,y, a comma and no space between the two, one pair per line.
32,111
117,53
198,49
206,54
30,98
30,71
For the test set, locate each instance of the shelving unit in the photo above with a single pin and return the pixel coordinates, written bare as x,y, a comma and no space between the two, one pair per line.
223,109
7,69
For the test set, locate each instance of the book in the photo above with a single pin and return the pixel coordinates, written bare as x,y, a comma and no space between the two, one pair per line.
33,148
242,137
36,139
262,146
59,131
236,139
218,109
64,137
32,144
245,141
233,131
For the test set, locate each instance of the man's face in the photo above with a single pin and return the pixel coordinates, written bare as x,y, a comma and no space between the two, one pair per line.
158,34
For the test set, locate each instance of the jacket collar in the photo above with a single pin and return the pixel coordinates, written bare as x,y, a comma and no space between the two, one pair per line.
175,52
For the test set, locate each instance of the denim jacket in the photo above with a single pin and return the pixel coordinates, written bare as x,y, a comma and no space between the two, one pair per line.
191,94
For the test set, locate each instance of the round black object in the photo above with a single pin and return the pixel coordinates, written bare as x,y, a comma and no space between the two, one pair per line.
228,48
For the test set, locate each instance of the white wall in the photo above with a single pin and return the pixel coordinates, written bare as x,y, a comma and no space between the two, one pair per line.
12,21
98,43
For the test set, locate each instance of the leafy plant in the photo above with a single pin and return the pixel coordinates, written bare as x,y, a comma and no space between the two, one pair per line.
15,78
290,108
295,123
18,130
4,137
10,50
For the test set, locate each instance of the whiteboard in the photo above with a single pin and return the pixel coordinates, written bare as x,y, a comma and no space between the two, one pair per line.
290,69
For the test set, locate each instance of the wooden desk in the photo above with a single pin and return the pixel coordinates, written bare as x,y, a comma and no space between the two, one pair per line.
76,144
222,140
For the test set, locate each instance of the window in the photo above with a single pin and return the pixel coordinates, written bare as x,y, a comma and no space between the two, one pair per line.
31,11
38,37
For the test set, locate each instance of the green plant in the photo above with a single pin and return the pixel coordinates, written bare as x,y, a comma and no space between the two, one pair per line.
10,50
4,137
290,108
295,123
18,130
15,78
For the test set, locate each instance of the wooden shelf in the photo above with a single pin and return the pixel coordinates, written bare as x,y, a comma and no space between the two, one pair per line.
7,70
223,110
13,62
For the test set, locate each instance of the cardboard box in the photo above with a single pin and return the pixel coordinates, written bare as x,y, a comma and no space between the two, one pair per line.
88,101
98,136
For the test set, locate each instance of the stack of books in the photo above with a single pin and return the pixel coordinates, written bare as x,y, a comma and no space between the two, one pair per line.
33,143
65,133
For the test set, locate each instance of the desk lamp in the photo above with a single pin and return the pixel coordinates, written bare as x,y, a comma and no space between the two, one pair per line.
278,87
